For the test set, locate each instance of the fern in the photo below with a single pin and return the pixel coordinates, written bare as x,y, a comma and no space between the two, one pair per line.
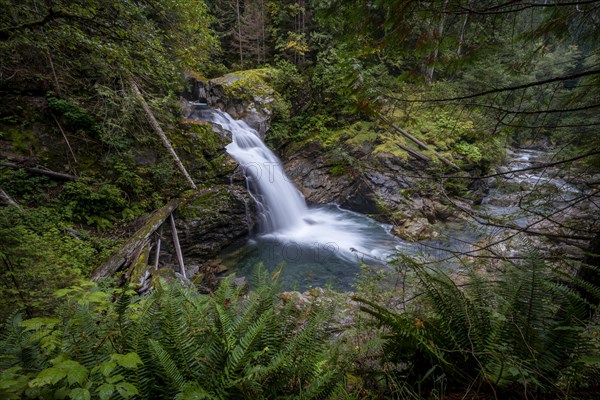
521,329
228,345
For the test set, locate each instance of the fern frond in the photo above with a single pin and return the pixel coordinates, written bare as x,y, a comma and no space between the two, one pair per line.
167,365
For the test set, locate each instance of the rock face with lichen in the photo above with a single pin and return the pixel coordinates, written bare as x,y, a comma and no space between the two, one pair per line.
210,222
379,184
245,95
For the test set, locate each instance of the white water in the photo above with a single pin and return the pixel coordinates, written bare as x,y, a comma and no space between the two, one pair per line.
283,213
326,244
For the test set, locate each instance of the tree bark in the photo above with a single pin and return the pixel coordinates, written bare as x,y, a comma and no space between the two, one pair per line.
161,133
418,142
131,247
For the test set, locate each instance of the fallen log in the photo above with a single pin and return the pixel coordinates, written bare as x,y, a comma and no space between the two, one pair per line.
163,137
414,153
8,200
126,254
418,142
41,171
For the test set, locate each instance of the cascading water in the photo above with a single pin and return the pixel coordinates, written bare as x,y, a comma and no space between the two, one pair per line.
281,206
325,241
326,244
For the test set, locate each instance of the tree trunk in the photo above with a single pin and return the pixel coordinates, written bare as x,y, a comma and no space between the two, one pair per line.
434,56
461,34
239,25
160,133
131,247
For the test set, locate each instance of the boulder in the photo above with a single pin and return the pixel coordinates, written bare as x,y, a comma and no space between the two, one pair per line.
245,95
415,229
210,222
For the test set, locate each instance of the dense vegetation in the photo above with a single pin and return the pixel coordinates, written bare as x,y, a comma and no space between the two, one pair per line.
81,167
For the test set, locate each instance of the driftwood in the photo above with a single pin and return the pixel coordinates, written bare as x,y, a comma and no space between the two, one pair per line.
161,133
8,200
41,171
130,250
418,143
177,247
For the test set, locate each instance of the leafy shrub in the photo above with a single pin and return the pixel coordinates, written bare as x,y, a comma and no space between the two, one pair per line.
518,332
174,343
75,115
98,205
40,254
470,151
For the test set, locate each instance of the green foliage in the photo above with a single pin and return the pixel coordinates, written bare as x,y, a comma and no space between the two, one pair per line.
96,205
74,114
174,343
39,253
518,331
28,189
470,151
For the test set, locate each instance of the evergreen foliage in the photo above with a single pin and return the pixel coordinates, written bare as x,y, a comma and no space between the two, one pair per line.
173,343
523,332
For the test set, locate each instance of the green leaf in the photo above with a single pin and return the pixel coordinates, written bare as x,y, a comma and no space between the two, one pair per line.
63,292
95,297
590,360
48,376
62,393
129,360
76,373
34,324
127,390
114,379
107,367
105,391
80,394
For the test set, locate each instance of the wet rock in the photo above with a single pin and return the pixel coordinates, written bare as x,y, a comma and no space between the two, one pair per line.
245,95
415,229
210,222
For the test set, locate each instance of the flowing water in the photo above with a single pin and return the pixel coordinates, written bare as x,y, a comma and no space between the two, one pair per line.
514,199
325,245
317,245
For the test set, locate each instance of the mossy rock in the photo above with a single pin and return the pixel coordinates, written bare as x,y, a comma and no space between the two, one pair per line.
206,205
202,151
248,84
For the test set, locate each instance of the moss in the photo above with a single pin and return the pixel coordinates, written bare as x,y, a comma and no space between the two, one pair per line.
139,267
391,147
211,202
248,84
201,150
363,133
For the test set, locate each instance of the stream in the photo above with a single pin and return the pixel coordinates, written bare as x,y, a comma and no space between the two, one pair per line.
326,245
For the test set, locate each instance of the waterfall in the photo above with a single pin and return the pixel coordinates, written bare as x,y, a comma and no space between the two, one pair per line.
282,211
280,205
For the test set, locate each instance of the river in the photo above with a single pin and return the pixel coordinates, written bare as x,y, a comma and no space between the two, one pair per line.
326,245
